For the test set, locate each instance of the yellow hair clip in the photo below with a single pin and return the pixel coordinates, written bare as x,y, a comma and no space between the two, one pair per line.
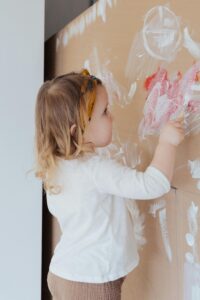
88,86
85,72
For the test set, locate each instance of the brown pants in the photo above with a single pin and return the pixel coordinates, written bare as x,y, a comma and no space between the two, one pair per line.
63,289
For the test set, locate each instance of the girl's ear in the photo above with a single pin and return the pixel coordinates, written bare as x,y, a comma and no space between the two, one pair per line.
73,129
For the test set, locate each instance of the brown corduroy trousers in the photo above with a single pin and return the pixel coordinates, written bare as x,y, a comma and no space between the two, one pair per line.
63,289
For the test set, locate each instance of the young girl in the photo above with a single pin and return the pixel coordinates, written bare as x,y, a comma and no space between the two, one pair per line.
87,193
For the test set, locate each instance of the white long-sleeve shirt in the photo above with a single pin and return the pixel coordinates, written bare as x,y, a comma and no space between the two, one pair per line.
97,243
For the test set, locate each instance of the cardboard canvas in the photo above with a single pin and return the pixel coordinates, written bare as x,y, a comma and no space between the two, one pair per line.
101,39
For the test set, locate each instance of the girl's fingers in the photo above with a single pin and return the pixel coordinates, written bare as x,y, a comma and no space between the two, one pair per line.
179,121
182,131
179,125
181,115
181,128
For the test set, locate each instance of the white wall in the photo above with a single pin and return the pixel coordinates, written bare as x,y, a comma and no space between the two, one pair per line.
21,74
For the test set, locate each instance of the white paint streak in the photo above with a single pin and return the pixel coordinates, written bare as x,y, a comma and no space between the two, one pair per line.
57,43
193,227
195,87
192,266
195,292
78,26
198,185
161,107
194,166
164,232
132,90
191,281
192,46
130,154
65,38
87,65
189,257
157,206
101,8
189,239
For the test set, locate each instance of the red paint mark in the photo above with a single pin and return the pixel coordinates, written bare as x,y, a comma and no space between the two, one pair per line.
166,97
197,77
149,80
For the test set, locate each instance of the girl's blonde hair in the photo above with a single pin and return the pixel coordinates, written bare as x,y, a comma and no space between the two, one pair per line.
61,102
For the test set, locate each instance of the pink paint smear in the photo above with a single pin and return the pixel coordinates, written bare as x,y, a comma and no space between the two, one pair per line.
168,97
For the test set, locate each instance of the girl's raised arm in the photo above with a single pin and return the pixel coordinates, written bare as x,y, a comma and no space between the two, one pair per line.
113,178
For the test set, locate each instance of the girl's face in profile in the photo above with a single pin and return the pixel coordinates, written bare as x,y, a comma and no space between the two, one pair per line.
99,129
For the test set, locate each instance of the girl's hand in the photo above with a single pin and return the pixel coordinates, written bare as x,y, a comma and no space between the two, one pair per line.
173,132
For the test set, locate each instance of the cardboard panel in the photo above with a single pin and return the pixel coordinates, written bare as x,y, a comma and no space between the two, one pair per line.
108,44
104,44
164,270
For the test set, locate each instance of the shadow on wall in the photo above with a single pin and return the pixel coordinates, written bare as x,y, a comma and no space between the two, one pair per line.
46,246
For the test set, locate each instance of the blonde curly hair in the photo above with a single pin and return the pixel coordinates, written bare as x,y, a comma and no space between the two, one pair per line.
61,102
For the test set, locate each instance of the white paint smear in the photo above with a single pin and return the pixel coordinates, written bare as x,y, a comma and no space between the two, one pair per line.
189,257
57,43
194,166
189,239
191,281
193,227
195,87
195,292
192,266
87,65
65,38
132,90
164,232
101,8
130,155
156,206
161,107
193,123
77,27
198,185
192,46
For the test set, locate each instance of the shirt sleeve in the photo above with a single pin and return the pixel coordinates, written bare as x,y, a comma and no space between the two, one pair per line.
111,177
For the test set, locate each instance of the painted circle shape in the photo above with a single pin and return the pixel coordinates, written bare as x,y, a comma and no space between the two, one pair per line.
161,33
